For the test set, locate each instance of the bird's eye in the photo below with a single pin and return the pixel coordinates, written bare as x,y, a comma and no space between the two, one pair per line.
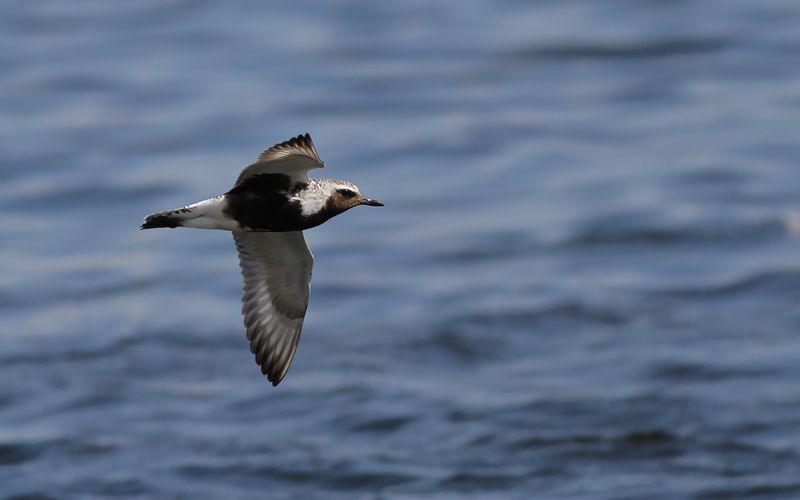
347,193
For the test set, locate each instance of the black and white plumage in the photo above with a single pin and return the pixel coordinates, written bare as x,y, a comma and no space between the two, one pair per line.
267,209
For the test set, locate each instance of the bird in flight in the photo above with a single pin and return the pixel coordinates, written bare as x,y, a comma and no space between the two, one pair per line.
270,205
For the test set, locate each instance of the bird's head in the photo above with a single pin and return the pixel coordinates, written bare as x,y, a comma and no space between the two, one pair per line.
343,195
326,198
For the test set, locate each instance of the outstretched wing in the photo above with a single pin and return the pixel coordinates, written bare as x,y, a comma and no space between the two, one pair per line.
277,274
293,158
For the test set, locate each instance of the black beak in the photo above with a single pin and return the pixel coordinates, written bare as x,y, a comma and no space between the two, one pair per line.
371,202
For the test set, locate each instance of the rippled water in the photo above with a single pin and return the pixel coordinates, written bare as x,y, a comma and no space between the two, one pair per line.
585,282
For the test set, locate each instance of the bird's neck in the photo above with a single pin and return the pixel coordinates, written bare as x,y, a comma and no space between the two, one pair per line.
313,198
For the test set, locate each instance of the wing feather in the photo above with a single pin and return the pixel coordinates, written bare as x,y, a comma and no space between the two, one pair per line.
276,268
293,158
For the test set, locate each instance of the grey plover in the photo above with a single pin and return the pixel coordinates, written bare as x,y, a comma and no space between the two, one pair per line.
270,205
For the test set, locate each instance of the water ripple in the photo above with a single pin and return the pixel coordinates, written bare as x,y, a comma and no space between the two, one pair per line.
768,282
633,50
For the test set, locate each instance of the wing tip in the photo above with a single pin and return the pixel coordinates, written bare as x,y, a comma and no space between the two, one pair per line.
275,377
301,143
276,370
273,370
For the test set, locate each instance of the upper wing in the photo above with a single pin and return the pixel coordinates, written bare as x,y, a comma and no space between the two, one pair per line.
277,274
294,158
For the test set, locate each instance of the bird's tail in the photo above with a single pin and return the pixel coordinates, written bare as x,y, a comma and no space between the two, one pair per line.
207,214
169,218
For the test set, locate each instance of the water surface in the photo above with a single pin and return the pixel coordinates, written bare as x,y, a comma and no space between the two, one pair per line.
584,283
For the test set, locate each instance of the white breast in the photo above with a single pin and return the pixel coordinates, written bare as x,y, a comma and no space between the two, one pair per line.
312,200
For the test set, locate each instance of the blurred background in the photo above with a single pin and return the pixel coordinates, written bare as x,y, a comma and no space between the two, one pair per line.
584,283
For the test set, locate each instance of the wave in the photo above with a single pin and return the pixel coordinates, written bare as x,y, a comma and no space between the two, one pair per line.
780,282
637,49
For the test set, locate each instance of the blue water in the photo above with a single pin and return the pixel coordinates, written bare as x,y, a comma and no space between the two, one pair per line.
584,284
